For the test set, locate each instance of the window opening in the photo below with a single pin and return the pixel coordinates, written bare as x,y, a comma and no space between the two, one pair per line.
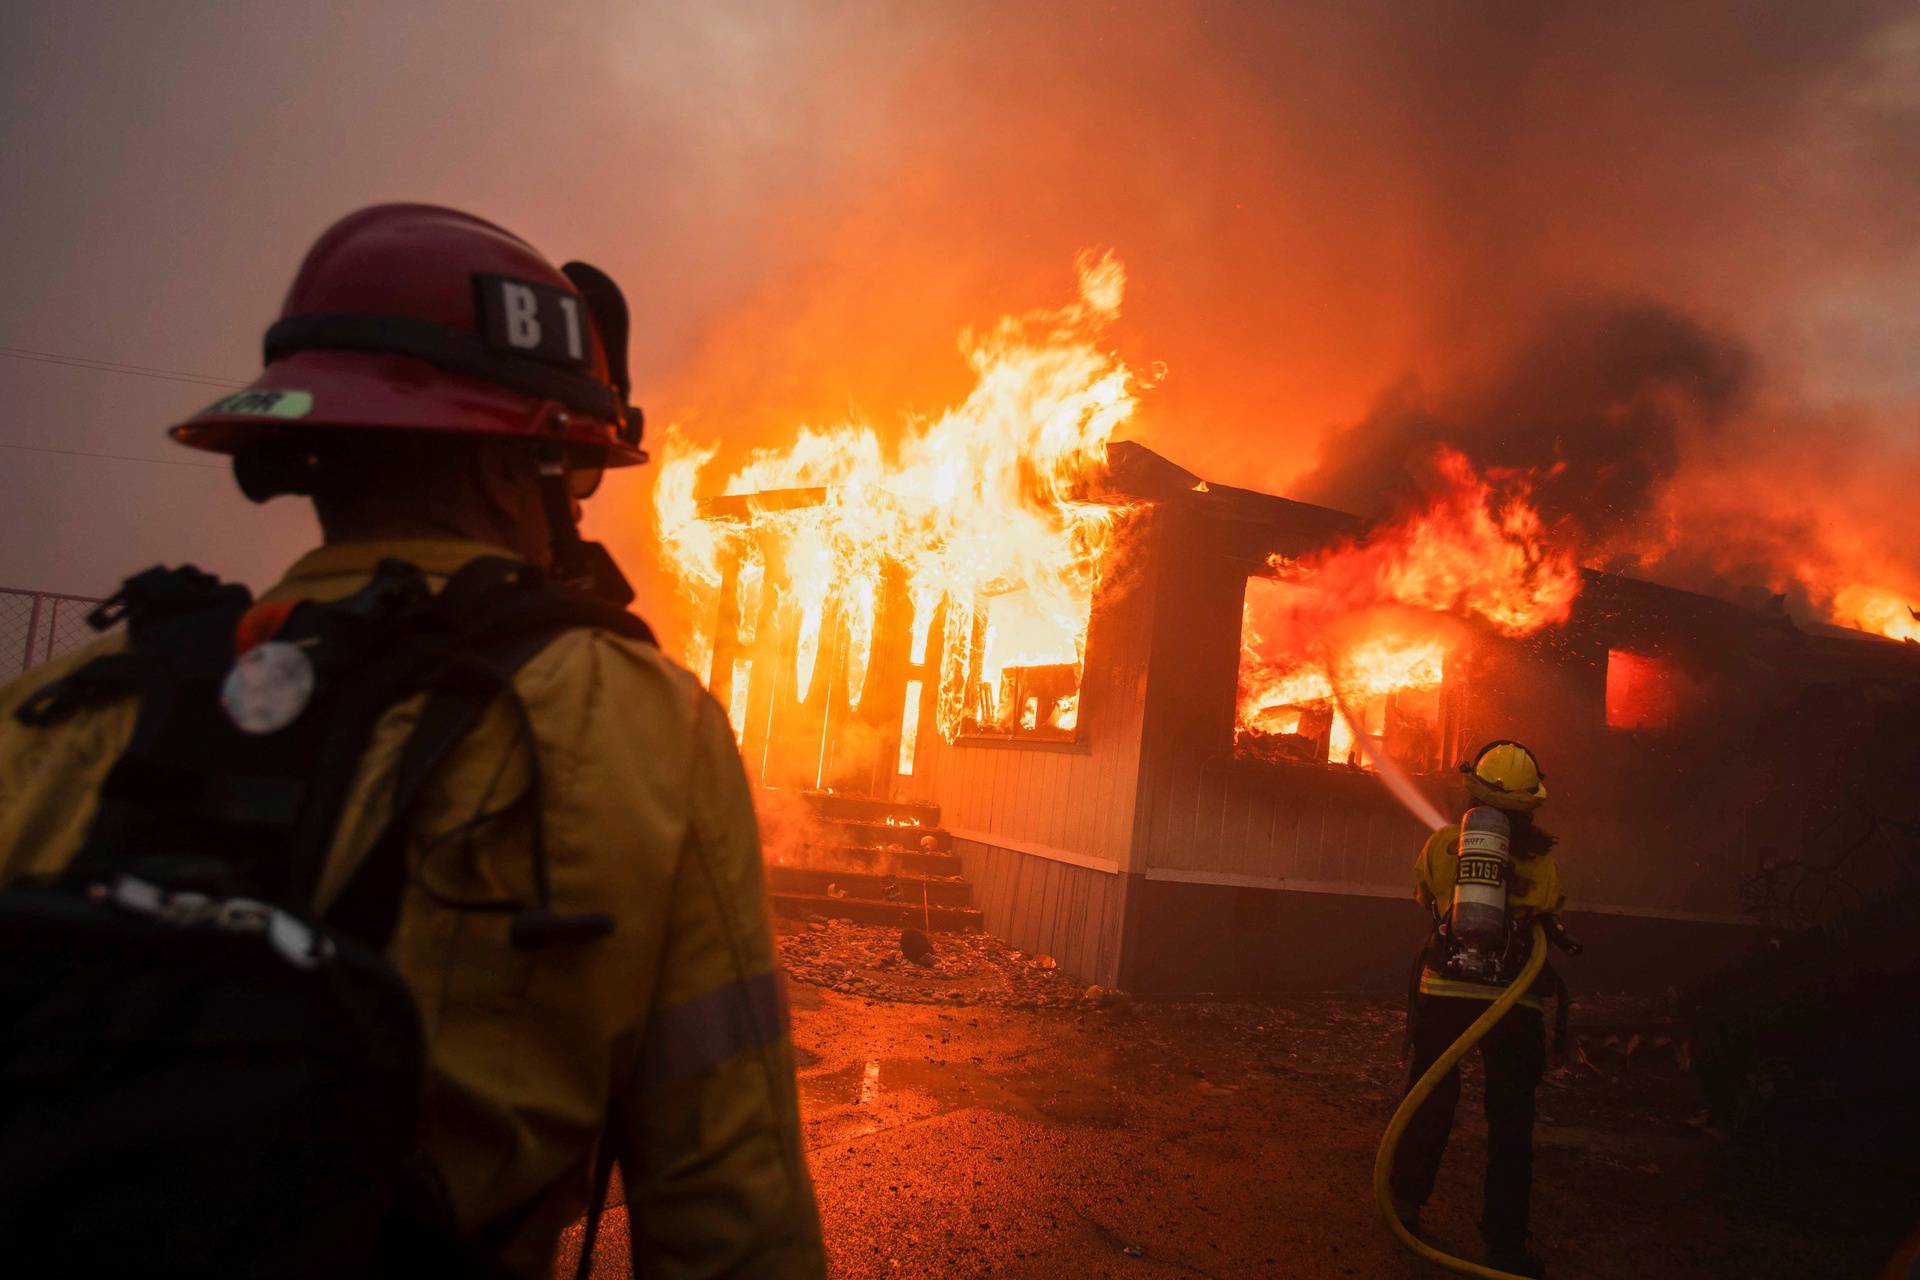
1028,660
1642,691
1391,670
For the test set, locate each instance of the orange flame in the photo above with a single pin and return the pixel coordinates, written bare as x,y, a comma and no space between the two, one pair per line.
1477,548
981,508
1878,609
1367,620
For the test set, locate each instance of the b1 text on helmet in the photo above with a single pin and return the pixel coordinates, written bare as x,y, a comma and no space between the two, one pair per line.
528,318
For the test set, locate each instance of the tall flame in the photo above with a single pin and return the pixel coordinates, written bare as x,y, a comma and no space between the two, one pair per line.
983,504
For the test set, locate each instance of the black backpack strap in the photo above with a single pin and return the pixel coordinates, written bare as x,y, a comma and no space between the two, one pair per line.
368,907
174,618
505,614
180,643
155,594
603,1161
495,600
107,678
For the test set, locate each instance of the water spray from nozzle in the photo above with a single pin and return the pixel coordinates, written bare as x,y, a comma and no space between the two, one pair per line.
1393,776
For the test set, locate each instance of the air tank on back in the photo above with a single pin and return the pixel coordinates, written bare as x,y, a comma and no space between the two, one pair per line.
1477,920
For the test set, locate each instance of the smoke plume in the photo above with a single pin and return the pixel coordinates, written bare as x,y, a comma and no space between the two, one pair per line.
1657,251
1602,399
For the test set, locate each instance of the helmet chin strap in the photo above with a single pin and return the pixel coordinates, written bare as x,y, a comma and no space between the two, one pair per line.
575,561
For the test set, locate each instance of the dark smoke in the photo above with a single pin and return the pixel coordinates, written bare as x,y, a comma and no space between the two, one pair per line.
1602,399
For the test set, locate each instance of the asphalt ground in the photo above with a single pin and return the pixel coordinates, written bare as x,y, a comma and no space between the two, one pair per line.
1237,1140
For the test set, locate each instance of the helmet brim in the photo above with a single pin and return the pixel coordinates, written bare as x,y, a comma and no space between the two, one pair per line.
1512,801
322,390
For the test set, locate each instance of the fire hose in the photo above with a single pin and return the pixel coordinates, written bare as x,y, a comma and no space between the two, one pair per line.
1390,1141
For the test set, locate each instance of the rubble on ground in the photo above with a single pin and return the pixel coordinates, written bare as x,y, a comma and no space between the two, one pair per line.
960,969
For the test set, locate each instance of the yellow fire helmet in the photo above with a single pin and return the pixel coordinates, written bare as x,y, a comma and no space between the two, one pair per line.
1505,775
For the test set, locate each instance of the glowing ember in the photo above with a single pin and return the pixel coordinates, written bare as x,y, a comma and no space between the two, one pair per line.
980,510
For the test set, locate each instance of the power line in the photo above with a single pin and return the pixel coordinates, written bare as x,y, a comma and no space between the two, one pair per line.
132,370
117,457
114,366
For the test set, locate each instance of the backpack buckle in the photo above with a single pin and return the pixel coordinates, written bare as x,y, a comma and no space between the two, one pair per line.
159,592
298,942
110,676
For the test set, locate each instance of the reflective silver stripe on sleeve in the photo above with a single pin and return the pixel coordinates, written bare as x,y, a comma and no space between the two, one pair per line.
691,1039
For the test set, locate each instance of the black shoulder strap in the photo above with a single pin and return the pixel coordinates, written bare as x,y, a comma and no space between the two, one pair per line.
603,1162
496,600
181,639
505,615
180,624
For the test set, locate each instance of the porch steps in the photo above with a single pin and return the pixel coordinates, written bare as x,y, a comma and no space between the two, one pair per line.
884,861
903,915
940,891
877,862
879,835
832,804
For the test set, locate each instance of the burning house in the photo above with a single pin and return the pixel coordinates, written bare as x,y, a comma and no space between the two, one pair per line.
1176,733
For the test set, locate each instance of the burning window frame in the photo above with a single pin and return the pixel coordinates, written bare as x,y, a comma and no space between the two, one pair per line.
901,660
1048,696
1442,729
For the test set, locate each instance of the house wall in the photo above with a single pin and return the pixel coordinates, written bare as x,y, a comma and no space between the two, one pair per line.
1255,876
1045,830
1626,840
1042,902
1184,937
1147,855
1206,816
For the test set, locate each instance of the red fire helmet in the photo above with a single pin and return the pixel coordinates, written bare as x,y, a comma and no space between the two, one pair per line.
417,318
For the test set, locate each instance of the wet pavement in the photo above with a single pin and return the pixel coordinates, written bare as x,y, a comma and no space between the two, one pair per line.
952,1139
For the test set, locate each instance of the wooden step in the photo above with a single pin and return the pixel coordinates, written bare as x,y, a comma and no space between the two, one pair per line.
867,911
940,892
880,861
834,804
856,831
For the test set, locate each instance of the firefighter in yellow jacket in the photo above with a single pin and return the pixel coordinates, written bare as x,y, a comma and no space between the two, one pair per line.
1452,991
444,395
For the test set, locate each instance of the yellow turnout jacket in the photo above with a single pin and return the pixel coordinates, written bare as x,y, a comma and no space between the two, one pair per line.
669,1037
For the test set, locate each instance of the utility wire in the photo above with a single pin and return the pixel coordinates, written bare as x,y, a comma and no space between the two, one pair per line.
117,457
114,366
132,370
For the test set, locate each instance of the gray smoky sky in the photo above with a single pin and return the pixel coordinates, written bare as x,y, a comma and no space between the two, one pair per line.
1350,229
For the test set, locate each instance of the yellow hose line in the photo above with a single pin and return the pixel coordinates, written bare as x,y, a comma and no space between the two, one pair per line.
1390,1140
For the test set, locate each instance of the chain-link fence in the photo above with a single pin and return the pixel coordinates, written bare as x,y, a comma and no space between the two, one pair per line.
36,626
